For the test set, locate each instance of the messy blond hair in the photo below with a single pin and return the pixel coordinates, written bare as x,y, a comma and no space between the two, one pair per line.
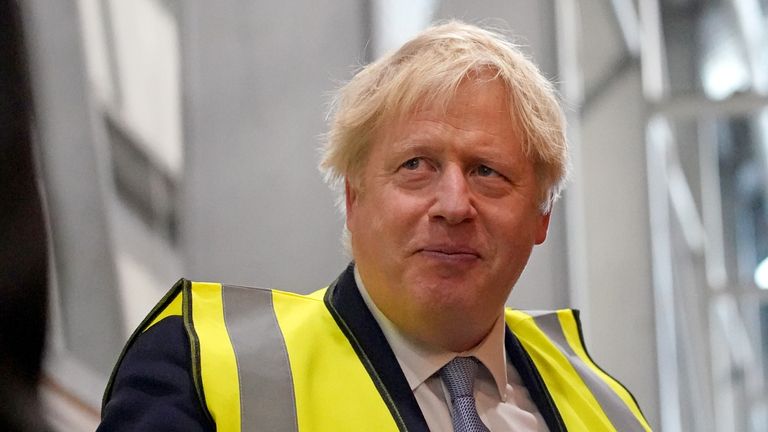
427,70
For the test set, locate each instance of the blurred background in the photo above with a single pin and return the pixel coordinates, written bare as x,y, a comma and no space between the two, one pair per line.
179,138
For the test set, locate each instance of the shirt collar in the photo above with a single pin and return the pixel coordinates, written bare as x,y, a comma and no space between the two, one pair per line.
419,362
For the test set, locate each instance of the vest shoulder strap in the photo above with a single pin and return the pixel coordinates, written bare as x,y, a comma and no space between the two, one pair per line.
269,360
169,305
586,396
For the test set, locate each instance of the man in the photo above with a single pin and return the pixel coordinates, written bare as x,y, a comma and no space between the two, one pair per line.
449,155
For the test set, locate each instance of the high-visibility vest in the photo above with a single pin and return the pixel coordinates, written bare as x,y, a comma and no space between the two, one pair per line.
272,360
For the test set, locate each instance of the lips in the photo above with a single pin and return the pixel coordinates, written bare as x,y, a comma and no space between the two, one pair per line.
449,251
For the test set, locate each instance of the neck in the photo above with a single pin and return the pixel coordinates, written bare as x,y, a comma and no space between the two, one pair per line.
449,336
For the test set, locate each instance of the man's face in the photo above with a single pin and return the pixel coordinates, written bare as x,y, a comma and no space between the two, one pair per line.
445,217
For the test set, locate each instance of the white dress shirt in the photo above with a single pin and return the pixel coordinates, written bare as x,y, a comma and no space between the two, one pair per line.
503,401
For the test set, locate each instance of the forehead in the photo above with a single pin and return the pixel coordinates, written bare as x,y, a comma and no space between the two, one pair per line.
477,107
475,88
475,101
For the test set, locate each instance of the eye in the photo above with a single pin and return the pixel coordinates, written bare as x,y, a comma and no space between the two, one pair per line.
411,164
485,171
414,173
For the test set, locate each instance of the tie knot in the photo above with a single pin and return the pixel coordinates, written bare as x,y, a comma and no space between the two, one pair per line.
459,376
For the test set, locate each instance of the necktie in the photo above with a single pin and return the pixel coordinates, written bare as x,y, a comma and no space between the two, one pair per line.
459,378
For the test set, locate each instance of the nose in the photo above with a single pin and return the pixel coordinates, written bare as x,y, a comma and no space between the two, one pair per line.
453,198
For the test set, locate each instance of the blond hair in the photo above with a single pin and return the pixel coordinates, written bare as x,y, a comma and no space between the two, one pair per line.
427,70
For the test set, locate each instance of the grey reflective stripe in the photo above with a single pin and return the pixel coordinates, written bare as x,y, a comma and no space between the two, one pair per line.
266,388
614,407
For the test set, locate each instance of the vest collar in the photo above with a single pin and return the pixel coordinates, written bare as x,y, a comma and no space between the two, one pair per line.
354,319
348,308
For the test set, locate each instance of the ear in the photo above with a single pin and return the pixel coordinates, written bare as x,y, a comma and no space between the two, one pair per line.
542,228
350,199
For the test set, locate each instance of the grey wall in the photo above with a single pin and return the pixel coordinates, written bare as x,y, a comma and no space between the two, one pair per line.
83,265
618,266
255,209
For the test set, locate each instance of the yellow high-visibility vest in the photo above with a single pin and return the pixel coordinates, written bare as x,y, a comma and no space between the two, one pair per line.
272,360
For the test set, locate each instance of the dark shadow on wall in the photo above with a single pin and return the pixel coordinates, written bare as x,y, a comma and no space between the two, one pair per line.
23,253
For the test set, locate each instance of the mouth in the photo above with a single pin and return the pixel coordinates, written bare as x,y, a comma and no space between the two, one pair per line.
453,253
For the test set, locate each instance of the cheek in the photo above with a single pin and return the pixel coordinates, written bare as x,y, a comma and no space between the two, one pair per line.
400,206
375,219
513,236
377,227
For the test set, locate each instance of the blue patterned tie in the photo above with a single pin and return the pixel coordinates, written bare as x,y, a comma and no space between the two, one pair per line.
459,377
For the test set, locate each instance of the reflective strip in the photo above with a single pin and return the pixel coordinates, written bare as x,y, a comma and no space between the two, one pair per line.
266,389
218,367
333,390
577,406
613,405
570,328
